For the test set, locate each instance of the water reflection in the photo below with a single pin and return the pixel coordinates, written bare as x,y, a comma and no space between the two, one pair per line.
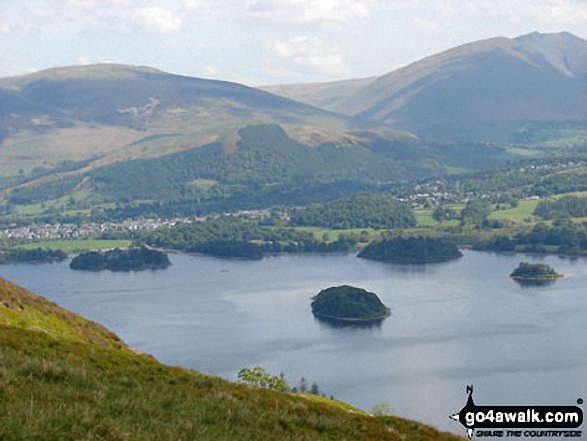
535,283
346,324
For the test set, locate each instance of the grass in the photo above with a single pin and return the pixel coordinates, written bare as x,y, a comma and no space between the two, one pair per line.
21,308
332,234
77,245
56,387
424,218
522,213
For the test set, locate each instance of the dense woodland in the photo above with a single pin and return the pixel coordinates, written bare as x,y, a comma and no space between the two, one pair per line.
412,250
132,259
536,271
348,303
230,237
357,211
563,237
566,206
37,255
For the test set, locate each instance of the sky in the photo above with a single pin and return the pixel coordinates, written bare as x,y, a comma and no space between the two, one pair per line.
262,42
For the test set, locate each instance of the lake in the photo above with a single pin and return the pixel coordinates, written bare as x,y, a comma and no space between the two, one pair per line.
452,324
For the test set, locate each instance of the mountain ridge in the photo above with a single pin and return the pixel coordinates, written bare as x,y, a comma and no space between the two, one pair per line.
495,84
103,110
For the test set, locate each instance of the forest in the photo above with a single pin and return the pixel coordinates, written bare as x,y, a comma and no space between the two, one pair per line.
232,237
357,211
412,250
132,259
37,255
563,237
348,303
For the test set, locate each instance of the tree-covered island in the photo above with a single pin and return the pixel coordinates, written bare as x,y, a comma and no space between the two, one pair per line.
535,271
347,303
412,250
132,259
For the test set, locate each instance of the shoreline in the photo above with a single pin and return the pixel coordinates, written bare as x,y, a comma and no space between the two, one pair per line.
353,320
562,276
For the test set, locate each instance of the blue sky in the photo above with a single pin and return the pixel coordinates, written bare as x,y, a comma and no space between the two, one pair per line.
259,42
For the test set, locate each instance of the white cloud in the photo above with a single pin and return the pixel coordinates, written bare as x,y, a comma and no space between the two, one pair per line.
83,59
95,3
6,29
311,52
426,25
329,14
205,8
158,20
553,11
211,71
545,11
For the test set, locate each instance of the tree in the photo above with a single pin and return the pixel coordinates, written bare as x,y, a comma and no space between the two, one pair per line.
257,376
381,409
314,389
303,386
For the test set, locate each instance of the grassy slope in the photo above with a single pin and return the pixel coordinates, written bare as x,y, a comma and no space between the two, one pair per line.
55,384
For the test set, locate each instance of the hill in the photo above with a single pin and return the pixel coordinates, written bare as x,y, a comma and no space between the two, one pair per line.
267,167
56,385
489,90
112,112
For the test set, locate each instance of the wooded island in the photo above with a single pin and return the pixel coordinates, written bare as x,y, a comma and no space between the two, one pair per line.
132,259
347,303
535,271
412,250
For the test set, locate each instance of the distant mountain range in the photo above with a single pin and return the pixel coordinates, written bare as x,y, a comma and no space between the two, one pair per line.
484,90
107,133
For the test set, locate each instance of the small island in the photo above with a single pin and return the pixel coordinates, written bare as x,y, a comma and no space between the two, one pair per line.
535,271
132,259
412,250
349,304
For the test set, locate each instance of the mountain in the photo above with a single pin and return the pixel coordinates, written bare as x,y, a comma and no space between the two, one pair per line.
116,112
483,91
322,95
64,377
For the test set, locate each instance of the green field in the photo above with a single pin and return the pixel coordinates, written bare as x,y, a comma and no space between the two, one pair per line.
332,235
424,218
522,213
77,245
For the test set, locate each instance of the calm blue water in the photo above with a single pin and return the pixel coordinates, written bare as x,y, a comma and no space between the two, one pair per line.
452,324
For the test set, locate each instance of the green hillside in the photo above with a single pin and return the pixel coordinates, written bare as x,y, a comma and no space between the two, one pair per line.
66,378
266,167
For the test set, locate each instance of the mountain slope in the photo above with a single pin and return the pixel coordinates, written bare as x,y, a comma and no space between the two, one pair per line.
139,97
105,110
20,308
55,388
322,95
482,91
